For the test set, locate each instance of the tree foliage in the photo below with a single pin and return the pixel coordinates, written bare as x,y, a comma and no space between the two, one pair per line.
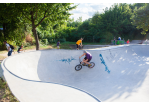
50,22
140,18
36,13
102,27
14,30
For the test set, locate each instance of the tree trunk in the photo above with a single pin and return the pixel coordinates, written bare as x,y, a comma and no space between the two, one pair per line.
36,37
4,30
34,32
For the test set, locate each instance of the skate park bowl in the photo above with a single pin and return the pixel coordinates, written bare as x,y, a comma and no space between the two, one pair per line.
121,74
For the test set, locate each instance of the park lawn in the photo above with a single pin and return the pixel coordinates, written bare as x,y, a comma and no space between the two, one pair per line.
66,45
86,43
63,45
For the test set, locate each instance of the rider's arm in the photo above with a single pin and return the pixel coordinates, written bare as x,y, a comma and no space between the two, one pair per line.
82,55
8,48
81,42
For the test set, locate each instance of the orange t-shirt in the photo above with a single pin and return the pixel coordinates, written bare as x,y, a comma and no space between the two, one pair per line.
78,42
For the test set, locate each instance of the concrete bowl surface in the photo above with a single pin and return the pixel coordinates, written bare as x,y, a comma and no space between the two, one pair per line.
121,73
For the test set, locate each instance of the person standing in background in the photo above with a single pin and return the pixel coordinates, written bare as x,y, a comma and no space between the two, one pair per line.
8,48
20,49
114,40
128,41
58,43
78,43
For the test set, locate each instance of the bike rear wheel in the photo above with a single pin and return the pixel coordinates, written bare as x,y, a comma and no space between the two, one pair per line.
78,67
92,65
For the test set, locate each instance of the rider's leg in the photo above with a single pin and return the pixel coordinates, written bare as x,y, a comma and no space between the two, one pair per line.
77,46
86,61
83,61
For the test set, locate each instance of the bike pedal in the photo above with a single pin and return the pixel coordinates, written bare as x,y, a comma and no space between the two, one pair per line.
89,65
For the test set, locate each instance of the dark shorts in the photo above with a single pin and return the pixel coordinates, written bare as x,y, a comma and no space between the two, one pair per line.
77,45
88,59
9,53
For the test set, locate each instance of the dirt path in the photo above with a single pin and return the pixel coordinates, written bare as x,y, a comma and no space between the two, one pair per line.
4,55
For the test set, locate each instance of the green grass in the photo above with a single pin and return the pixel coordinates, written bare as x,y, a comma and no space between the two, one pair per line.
2,84
85,43
66,45
30,47
6,92
63,45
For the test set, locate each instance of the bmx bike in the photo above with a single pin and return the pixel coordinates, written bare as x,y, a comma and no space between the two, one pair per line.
80,47
79,66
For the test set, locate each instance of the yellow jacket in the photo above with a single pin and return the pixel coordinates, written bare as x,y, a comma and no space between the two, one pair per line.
78,42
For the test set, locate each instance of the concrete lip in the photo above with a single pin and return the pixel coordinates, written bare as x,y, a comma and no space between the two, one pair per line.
120,74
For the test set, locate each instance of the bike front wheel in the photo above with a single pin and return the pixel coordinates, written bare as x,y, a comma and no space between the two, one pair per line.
92,65
78,67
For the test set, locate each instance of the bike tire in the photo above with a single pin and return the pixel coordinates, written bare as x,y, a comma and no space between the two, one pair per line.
78,67
93,64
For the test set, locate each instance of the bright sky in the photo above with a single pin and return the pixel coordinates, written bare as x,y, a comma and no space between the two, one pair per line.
87,10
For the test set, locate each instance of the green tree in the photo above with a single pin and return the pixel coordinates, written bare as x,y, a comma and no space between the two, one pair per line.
140,18
14,29
36,13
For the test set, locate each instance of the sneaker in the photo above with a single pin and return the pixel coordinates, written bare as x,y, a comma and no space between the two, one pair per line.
89,65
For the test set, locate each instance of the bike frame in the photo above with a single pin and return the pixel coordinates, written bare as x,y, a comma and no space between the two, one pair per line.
81,64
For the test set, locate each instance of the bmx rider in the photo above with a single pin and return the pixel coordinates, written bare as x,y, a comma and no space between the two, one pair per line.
78,43
87,58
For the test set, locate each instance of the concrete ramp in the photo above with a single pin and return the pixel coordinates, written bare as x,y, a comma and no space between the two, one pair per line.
94,46
136,42
121,73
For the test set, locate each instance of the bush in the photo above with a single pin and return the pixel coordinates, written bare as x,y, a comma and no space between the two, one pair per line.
27,44
45,41
3,47
51,40
33,42
61,40
102,40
